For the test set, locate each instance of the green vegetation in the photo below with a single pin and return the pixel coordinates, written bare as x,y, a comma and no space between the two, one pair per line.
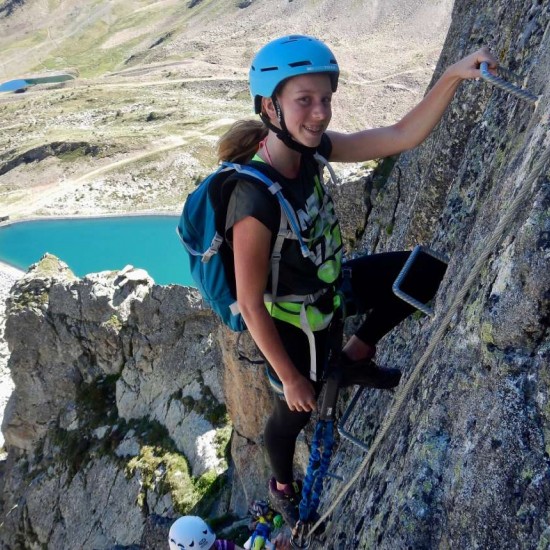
81,49
30,299
160,465
544,541
97,41
207,406
164,469
371,164
84,55
382,171
418,315
73,449
97,402
30,41
49,265
486,333
113,323
73,155
222,440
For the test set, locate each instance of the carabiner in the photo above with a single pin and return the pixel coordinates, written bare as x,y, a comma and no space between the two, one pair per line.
300,538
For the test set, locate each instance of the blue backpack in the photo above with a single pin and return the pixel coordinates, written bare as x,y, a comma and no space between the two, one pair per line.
202,226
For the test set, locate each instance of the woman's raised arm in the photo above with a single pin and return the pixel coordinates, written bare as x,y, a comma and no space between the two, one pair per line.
417,124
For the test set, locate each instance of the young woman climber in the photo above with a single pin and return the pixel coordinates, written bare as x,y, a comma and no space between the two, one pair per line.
292,80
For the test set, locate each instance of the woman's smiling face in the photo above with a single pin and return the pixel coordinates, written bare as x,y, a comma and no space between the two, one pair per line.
306,104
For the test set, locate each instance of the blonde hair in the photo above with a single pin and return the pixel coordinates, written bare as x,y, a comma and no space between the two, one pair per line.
240,142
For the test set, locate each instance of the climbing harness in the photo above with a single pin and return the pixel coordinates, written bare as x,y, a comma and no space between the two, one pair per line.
510,214
522,93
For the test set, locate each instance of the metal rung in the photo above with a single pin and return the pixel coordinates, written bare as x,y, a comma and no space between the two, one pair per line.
406,268
345,434
522,93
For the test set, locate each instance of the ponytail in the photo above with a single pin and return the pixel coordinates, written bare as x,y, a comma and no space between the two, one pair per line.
240,142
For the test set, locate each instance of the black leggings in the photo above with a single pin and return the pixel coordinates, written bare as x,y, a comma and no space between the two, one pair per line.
372,278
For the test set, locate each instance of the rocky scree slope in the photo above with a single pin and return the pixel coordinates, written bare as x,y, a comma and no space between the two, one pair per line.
160,81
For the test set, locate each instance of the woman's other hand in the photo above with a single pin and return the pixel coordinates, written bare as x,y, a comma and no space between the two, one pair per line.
299,394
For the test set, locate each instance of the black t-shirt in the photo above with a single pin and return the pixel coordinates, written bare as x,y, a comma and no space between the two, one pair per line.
297,275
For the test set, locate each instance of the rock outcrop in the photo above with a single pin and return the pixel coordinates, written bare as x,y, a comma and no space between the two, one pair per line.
118,413
464,463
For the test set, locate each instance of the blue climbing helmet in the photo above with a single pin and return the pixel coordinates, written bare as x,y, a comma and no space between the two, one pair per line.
286,57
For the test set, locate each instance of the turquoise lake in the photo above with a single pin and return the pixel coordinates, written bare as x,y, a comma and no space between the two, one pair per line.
89,245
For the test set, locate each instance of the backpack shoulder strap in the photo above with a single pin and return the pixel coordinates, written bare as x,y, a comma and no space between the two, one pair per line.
275,189
289,227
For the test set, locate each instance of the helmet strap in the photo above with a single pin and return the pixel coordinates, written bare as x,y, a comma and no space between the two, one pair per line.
283,134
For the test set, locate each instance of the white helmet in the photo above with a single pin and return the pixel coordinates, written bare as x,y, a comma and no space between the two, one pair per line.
190,533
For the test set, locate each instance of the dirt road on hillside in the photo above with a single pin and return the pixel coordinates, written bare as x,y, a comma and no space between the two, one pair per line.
40,197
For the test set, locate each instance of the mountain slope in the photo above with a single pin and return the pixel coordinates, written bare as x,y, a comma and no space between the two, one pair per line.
162,73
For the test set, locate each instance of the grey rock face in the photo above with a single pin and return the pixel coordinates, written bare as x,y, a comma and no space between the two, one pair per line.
465,461
118,399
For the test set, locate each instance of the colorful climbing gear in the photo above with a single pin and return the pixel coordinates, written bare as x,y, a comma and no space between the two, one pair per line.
265,519
261,535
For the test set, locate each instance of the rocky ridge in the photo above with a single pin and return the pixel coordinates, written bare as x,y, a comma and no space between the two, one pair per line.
92,360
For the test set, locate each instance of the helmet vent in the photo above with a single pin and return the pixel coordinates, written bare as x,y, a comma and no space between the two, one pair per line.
299,64
264,69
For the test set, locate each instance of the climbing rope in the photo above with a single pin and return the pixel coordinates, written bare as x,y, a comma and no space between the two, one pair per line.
323,436
505,85
488,248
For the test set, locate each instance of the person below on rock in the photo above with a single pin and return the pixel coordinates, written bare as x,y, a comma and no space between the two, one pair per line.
292,80
193,533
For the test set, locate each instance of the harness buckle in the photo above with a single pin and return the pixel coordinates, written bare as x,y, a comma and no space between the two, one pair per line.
328,407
